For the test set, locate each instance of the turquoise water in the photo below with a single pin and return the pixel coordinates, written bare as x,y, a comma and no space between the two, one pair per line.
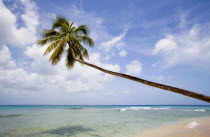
90,121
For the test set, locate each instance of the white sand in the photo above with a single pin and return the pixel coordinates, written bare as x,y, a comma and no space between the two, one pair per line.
197,127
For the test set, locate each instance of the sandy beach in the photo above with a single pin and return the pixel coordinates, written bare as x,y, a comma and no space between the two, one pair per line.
195,127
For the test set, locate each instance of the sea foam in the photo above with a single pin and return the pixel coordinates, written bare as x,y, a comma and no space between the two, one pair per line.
141,108
196,110
192,124
202,110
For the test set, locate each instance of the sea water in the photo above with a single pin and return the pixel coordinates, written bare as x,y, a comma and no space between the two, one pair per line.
90,121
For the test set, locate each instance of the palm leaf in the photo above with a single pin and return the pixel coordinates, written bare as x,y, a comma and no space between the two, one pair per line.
83,51
47,33
61,23
82,30
70,61
56,55
46,40
52,46
86,40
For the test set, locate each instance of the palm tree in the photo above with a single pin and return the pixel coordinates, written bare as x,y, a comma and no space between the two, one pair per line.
65,37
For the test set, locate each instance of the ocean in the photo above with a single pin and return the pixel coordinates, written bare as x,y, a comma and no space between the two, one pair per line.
91,121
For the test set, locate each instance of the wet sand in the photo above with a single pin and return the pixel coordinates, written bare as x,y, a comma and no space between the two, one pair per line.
196,127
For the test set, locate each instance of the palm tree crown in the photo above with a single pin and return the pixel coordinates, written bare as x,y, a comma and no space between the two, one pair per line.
64,36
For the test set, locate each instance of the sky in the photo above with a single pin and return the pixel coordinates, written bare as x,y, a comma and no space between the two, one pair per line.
163,41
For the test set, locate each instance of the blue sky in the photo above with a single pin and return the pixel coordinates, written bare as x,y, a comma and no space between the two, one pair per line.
162,41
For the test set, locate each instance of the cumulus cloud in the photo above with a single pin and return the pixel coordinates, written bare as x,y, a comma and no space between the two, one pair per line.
38,75
6,62
188,47
17,36
165,45
134,68
12,78
80,78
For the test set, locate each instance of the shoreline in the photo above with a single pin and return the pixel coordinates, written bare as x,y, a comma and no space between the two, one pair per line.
193,127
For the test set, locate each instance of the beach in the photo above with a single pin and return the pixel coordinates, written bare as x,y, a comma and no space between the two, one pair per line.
195,127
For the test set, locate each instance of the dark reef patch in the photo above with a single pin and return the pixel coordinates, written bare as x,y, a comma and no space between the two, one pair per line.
64,131
75,108
8,116
69,130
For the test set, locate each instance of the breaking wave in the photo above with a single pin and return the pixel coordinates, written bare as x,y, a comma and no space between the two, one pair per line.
159,108
202,110
142,108
196,110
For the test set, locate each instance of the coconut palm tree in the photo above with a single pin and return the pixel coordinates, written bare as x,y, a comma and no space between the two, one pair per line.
64,36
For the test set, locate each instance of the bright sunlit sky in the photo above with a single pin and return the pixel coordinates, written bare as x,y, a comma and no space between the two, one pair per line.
158,40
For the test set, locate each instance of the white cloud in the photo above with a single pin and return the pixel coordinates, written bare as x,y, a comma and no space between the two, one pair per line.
114,42
30,18
39,75
80,78
165,45
134,68
10,33
5,61
123,53
44,77
14,79
188,47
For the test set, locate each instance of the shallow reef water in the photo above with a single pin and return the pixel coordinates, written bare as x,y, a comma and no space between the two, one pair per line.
91,121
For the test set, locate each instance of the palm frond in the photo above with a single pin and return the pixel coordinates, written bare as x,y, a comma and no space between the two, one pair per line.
71,25
70,61
77,52
46,40
47,33
52,46
56,55
59,22
86,40
82,30
65,28
83,51
85,54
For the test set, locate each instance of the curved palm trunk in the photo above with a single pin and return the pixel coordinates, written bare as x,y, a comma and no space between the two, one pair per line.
153,84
